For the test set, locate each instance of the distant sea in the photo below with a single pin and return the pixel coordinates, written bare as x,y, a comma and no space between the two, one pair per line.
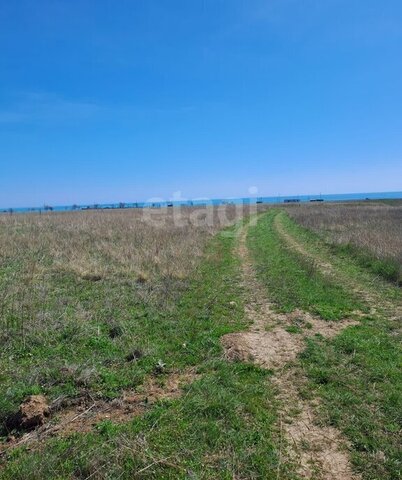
336,197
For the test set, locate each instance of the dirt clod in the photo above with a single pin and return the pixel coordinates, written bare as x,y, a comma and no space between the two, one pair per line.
72,415
32,413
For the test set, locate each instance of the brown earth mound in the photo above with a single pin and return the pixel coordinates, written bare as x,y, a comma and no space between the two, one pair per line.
32,413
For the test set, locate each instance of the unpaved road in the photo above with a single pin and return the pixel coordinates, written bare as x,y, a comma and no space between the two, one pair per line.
318,451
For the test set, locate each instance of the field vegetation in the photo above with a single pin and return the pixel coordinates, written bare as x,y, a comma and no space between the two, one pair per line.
371,232
117,320
107,313
70,284
357,373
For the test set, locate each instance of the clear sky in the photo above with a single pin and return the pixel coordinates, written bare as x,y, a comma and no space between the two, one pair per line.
124,100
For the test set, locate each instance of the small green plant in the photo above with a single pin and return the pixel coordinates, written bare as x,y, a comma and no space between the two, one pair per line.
294,329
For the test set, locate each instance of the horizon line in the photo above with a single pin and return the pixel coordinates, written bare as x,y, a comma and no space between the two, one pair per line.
182,201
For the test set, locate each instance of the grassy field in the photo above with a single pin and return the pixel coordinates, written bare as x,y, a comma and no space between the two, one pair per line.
370,232
117,321
71,285
78,339
358,373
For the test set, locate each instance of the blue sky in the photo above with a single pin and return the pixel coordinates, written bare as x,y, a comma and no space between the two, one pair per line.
104,101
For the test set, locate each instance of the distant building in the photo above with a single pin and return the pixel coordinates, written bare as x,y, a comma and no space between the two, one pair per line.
291,200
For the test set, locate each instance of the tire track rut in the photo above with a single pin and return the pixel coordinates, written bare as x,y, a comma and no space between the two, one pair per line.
317,451
372,297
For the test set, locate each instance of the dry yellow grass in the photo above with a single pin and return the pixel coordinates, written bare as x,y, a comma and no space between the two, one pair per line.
147,243
158,248
83,269
376,228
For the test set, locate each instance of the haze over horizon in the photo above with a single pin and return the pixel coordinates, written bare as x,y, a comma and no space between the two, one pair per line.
103,102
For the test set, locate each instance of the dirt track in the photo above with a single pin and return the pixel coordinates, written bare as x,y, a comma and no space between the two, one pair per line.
318,451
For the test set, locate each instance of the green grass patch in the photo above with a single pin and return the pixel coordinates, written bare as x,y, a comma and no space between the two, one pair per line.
389,269
223,426
292,280
358,375
101,323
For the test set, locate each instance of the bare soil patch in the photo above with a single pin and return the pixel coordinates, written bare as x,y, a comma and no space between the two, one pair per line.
319,451
66,416
276,347
32,413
